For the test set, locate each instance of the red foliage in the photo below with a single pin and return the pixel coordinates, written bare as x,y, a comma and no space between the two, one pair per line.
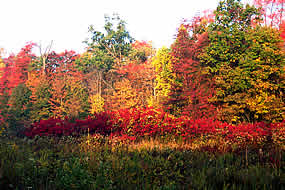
140,77
131,124
15,71
196,88
59,127
282,30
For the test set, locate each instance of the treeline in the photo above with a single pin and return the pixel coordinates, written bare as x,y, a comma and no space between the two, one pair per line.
227,65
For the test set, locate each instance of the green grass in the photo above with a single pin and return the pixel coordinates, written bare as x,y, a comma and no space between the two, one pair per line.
71,163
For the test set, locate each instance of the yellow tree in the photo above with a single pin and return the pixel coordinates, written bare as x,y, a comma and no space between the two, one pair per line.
164,76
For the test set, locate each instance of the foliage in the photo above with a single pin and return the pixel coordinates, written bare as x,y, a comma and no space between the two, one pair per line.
13,74
67,127
164,75
140,78
141,51
97,104
207,113
124,96
237,57
111,46
193,85
68,96
39,85
265,60
16,69
19,109
139,123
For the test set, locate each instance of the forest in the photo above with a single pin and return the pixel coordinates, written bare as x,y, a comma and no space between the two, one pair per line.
206,113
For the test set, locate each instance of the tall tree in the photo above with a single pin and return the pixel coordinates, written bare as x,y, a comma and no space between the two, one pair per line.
105,51
111,46
15,71
164,75
19,109
237,56
39,85
193,87
68,95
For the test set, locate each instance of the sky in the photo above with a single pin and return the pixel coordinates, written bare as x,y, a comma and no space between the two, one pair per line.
66,22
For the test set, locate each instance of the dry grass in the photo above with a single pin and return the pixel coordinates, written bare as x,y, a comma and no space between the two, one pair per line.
196,144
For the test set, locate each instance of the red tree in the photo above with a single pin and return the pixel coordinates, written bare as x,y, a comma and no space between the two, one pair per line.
194,87
15,71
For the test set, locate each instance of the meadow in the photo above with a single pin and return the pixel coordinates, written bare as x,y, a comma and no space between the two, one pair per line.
115,152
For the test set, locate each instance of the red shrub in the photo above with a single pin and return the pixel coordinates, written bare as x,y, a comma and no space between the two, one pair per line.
134,123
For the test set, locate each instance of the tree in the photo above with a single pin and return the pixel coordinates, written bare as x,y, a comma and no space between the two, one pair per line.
193,86
241,57
19,109
111,47
59,91
39,85
3,125
124,96
264,60
15,71
97,103
141,78
140,52
106,50
164,75
68,95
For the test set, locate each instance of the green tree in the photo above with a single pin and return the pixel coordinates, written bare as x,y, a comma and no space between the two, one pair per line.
19,109
105,51
109,47
240,58
263,67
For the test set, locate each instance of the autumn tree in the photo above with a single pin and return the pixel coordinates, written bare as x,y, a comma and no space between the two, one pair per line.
15,71
242,59
13,74
264,60
105,50
109,47
192,86
164,75
3,99
273,14
141,51
68,95
124,96
39,85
